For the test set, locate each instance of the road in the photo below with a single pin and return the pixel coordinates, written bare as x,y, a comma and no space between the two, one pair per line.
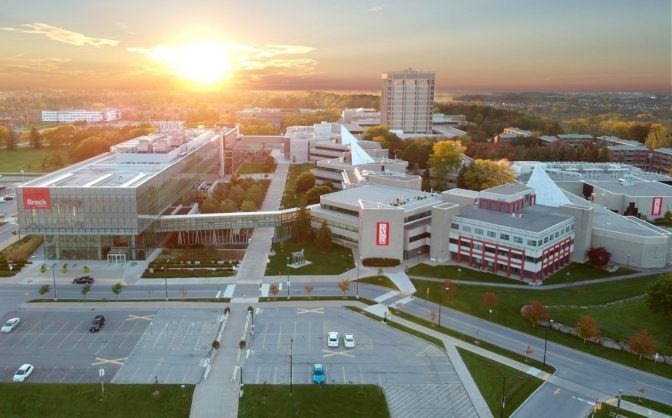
583,377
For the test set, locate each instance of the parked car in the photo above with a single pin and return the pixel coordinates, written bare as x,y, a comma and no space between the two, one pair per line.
83,280
97,323
332,339
24,372
348,341
9,197
10,325
318,373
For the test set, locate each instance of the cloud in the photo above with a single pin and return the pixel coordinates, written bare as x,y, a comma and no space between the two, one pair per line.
247,62
375,9
62,35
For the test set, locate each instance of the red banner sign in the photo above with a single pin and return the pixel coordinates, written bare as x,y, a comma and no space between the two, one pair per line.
36,198
382,233
657,206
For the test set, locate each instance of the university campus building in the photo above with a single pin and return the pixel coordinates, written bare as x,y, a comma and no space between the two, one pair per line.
91,116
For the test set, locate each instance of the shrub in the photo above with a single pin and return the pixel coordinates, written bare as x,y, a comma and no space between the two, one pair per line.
380,262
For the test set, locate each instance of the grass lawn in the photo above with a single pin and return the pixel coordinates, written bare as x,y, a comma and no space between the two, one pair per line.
507,312
609,411
324,401
466,274
83,400
251,168
289,197
337,261
29,160
581,272
647,403
489,377
380,281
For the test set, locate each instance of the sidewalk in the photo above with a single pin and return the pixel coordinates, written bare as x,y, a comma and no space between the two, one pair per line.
218,396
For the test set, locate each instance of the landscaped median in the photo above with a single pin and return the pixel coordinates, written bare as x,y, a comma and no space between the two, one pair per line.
85,400
616,320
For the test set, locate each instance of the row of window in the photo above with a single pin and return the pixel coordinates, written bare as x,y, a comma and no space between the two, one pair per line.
503,236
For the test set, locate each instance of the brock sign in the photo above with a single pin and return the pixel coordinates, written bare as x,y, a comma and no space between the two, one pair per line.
382,233
36,198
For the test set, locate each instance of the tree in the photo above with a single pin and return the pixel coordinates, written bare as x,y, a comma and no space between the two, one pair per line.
44,289
85,289
449,289
309,289
587,328
433,316
489,300
248,206
660,296
534,312
227,206
323,238
90,147
58,137
344,285
641,391
313,195
116,289
269,164
528,352
274,289
598,256
305,182
302,229
210,205
642,344
35,138
10,140
446,156
659,137
484,174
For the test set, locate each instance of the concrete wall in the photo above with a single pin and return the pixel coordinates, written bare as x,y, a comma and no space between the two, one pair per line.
440,227
408,182
633,251
369,220
583,224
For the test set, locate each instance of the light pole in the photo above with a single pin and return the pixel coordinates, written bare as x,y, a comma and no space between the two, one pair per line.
620,393
357,285
459,273
490,312
567,278
287,277
440,303
501,413
165,278
546,339
291,355
53,276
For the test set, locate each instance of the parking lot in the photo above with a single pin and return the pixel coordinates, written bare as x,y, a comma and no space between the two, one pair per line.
382,354
63,350
132,347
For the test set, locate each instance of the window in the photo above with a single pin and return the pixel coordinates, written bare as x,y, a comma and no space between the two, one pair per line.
557,234
454,226
491,234
504,237
545,240
478,231
466,228
532,243
518,240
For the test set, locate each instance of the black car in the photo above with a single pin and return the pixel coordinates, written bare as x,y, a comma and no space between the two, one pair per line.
97,323
83,280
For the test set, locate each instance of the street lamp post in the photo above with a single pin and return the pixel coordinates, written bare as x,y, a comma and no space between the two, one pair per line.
440,303
459,273
287,267
503,405
620,393
53,276
490,312
291,355
165,278
546,339
567,278
357,285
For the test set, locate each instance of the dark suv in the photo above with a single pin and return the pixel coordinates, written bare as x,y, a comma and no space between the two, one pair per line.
97,323
83,280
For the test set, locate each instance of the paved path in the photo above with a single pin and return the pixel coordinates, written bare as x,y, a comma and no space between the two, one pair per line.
253,266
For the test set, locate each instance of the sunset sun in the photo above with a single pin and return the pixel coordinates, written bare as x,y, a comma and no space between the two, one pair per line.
202,63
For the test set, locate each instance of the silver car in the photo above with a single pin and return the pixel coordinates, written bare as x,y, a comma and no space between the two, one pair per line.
10,325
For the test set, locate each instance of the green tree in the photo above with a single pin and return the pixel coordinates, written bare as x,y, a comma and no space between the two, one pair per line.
116,289
248,206
228,206
237,194
660,295
313,195
446,156
210,205
90,147
10,140
305,182
85,290
35,138
484,174
256,194
269,164
302,229
44,289
323,238
58,137
659,137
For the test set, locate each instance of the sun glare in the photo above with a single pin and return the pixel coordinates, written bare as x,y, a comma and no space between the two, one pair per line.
202,63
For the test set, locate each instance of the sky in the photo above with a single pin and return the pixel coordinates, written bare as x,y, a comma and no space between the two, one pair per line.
471,45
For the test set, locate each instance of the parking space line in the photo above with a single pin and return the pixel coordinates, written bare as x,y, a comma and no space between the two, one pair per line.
118,361
300,311
347,353
279,335
344,379
258,373
275,372
132,317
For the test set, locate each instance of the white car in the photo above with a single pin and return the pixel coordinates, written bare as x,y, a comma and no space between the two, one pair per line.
348,341
10,325
24,372
332,339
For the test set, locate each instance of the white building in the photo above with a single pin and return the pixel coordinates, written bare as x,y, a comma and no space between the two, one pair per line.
69,116
407,101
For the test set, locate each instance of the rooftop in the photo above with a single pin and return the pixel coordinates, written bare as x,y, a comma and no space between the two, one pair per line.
382,196
508,189
637,188
531,218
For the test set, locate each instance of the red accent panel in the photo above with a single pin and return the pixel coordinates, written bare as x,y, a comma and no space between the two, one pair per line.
36,198
382,233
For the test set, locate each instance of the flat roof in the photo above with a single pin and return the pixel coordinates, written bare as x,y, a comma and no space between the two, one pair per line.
508,189
384,196
637,188
535,218
105,170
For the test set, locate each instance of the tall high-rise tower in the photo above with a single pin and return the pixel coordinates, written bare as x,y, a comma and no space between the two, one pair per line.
407,101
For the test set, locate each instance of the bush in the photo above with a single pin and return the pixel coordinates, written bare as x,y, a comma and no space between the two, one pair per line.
380,262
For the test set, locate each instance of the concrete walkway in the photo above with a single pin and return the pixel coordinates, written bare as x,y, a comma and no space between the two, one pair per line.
218,395
253,266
